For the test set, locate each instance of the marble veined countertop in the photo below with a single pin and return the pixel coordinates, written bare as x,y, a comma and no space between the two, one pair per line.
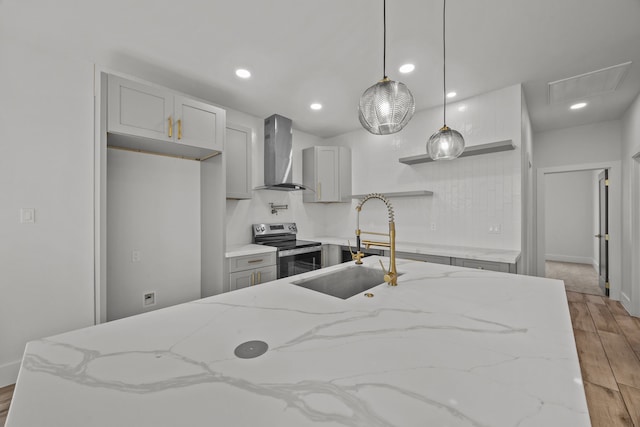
448,346
481,254
248,249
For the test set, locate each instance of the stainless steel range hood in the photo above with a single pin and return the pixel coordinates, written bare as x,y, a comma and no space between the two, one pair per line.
278,155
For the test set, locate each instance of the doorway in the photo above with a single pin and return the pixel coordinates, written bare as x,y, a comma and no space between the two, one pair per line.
572,217
590,241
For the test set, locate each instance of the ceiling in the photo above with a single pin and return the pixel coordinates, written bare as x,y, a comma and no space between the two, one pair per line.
330,51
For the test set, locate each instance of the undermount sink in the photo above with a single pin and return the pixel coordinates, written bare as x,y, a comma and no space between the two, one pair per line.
344,283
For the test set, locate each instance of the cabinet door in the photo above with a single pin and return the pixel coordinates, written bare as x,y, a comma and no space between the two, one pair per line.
266,274
139,110
327,174
242,279
247,262
237,155
199,124
482,265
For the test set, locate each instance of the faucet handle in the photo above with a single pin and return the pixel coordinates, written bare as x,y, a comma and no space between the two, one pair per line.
384,270
388,276
357,256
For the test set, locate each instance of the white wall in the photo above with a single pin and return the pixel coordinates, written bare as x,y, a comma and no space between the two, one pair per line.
46,163
153,207
470,194
589,147
595,142
569,217
631,209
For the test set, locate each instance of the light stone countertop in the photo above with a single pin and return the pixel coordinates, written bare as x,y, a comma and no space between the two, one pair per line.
481,254
448,346
248,249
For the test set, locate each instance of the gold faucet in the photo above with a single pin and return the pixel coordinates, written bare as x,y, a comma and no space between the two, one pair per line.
390,275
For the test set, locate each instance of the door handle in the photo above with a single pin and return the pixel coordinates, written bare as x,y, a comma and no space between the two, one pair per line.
170,127
598,236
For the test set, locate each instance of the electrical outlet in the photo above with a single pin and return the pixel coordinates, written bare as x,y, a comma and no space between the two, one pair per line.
135,255
433,226
27,215
495,228
149,299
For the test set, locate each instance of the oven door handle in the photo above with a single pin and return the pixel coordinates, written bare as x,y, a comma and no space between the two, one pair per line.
299,251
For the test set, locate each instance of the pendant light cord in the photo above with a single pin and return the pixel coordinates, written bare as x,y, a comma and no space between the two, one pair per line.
444,63
384,38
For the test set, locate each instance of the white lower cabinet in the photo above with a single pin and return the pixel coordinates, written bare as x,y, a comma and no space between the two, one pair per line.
435,259
250,270
243,279
485,265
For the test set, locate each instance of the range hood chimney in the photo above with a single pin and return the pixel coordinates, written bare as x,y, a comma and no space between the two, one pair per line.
278,154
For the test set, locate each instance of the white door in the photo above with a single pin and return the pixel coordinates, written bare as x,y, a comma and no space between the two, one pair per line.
237,155
327,164
198,124
139,110
242,279
266,274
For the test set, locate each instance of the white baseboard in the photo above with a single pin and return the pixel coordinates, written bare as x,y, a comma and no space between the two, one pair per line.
626,303
596,265
568,258
9,373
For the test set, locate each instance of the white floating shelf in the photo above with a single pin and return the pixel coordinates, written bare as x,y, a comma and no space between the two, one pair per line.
418,193
492,147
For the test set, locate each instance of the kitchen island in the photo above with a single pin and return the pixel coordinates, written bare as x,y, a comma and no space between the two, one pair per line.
448,346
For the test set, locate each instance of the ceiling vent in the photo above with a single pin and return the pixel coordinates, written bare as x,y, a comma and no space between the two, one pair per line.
588,84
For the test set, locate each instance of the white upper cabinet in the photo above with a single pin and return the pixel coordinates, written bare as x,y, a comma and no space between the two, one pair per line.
327,171
154,119
198,124
238,159
140,110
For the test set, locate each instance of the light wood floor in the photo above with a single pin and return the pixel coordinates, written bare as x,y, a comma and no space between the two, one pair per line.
5,399
608,343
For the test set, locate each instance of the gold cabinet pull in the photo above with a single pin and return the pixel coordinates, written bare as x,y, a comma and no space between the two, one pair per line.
259,278
253,279
251,261
179,128
170,127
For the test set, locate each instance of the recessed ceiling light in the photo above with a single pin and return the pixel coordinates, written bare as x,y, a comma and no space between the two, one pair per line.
242,73
316,106
578,106
407,68
451,94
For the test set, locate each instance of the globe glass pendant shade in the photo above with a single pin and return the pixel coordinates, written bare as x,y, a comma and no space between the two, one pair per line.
386,107
446,144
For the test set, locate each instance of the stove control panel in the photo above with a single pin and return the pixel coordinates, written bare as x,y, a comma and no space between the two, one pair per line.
280,228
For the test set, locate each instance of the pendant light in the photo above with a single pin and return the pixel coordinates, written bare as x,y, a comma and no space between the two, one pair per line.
387,106
447,143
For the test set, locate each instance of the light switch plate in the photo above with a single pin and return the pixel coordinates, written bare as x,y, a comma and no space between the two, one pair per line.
27,215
